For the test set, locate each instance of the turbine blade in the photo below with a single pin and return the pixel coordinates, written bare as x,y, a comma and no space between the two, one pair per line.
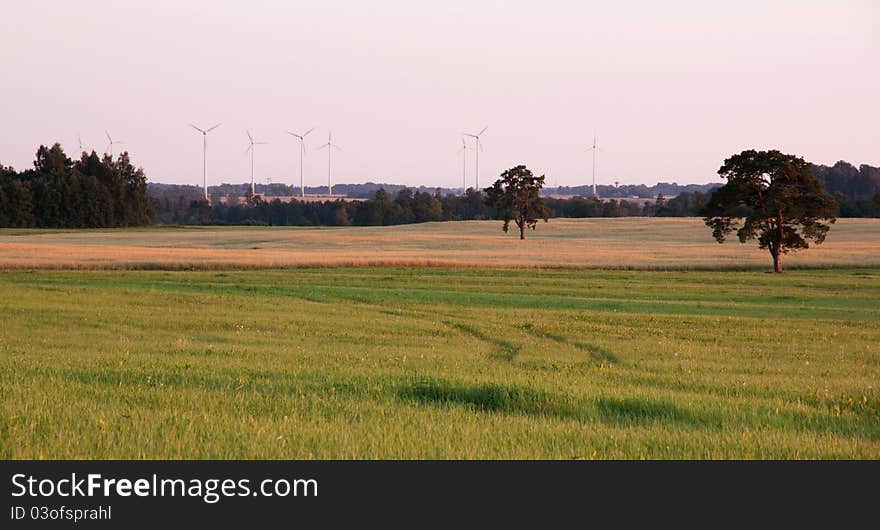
307,132
196,128
214,127
108,136
484,130
322,147
251,138
248,148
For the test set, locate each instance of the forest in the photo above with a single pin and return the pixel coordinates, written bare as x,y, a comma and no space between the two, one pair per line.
92,192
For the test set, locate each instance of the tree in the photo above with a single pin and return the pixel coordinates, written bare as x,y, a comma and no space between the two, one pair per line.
686,204
427,207
776,199
16,206
516,197
137,205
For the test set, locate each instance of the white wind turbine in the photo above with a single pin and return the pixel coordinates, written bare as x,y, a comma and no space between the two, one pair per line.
463,152
330,146
111,144
477,148
302,152
251,149
594,149
204,155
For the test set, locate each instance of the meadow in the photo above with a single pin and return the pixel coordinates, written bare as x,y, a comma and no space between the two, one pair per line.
438,362
618,243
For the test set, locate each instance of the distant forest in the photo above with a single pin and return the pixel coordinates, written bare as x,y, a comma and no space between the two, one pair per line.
368,190
857,191
100,191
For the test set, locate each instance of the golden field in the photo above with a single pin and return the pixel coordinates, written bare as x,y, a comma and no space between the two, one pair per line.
629,243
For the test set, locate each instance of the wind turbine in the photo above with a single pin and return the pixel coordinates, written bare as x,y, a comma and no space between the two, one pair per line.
80,140
251,149
204,154
330,146
302,152
477,148
463,152
111,144
594,149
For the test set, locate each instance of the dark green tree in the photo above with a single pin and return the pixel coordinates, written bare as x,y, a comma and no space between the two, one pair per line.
50,186
516,197
772,197
16,206
427,207
138,209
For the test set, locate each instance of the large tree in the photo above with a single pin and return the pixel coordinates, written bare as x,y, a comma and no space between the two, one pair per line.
516,197
772,197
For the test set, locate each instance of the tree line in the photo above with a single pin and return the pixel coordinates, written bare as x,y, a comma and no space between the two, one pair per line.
409,206
367,190
384,208
99,191
92,192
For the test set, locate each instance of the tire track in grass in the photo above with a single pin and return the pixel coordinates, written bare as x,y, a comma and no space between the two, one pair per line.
506,350
597,353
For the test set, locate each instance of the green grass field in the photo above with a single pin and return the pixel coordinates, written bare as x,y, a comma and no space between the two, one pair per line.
440,363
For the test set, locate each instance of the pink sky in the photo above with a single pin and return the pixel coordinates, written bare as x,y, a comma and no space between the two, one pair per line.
671,88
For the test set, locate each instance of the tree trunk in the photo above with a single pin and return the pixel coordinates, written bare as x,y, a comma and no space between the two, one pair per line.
777,257
777,260
522,231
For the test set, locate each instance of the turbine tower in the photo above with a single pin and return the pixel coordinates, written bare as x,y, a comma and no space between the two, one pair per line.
251,149
463,152
594,149
302,152
111,144
330,146
204,155
477,148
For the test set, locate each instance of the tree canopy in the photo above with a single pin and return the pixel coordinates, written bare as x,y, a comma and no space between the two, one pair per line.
516,197
91,192
771,197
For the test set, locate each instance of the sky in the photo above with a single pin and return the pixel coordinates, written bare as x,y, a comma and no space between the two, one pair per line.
671,88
